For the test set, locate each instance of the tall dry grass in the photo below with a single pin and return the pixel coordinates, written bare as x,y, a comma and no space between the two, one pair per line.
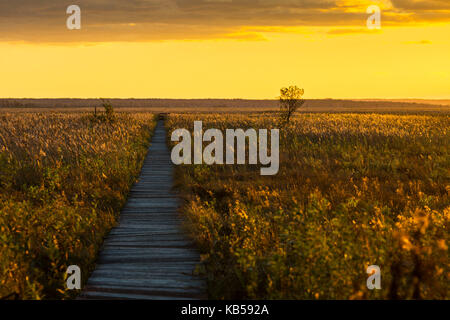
353,190
63,180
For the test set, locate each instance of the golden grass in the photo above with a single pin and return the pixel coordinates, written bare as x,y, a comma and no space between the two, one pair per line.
353,190
224,105
63,180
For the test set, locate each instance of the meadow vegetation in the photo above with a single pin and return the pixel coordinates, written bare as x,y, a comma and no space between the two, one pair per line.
63,180
225,105
353,190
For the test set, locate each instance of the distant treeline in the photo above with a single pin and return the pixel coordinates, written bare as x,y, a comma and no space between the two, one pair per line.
231,105
137,103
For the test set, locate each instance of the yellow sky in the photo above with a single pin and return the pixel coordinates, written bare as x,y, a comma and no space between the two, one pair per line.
396,62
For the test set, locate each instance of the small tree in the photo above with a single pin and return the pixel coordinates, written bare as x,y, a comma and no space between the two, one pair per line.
108,115
291,99
109,110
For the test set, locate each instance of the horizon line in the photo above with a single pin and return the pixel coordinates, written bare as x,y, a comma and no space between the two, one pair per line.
249,99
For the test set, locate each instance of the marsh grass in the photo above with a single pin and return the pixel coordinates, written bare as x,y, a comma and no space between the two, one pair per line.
353,190
63,180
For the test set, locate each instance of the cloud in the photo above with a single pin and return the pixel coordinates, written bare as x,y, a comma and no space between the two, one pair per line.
422,5
351,31
421,42
149,20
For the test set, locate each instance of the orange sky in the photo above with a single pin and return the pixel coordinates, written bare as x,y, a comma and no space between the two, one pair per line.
407,58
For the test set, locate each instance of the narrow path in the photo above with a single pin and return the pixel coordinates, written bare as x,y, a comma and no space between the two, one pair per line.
147,256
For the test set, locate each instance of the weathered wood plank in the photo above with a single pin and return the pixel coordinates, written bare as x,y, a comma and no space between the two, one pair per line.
147,256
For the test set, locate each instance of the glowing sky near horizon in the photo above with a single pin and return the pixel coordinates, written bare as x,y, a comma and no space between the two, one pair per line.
236,49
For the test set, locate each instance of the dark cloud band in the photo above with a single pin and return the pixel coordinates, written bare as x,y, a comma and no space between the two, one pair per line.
144,20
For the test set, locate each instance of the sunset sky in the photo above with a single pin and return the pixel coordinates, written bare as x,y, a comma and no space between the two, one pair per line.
224,49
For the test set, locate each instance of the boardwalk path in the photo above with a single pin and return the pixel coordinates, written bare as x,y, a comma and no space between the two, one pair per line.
147,256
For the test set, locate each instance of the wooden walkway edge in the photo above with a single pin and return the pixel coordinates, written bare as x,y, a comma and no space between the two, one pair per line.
147,256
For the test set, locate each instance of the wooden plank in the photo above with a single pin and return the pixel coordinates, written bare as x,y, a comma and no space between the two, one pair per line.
147,256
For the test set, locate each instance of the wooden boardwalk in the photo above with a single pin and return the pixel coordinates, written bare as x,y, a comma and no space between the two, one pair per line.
147,256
